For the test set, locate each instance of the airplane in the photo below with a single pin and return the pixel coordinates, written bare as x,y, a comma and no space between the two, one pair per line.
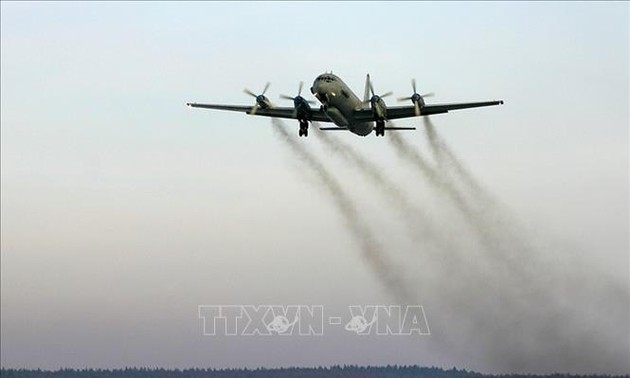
342,107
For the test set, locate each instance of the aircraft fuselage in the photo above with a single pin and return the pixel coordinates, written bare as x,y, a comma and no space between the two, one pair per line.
339,103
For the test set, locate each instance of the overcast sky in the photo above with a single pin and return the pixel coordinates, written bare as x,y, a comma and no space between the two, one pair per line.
123,210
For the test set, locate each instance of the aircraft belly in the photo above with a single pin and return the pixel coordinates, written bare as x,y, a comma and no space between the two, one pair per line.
359,128
362,129
336,116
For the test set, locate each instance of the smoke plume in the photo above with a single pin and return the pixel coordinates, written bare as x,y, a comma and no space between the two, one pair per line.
511,308
420,226
445,158
440,179
502,301
372,252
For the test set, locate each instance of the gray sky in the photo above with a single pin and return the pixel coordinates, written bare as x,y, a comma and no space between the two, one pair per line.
122,210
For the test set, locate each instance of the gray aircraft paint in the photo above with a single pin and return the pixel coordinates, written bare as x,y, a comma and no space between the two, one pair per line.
342,107
341,103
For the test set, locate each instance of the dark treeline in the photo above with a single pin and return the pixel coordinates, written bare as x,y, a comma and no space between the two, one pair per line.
346,371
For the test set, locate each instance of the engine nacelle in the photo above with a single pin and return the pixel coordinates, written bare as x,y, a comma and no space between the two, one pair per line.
416,98
379,109
263,102
302,108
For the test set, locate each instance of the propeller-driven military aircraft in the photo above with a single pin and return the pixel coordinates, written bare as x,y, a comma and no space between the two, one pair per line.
342,107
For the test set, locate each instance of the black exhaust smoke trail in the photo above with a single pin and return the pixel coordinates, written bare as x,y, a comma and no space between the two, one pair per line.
499,239
446,159
500,231
420,225
434,176
484,226
541,317
371,250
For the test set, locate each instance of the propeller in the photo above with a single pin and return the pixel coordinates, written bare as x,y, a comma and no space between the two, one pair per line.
417,99
298,100
375,98
261,100
299,97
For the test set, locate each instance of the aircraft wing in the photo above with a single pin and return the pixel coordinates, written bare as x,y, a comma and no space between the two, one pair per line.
284,112
397,112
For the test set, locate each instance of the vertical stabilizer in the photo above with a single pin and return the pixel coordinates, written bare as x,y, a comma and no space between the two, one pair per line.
366,94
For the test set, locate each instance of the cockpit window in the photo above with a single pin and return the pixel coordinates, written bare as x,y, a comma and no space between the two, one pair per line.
327,79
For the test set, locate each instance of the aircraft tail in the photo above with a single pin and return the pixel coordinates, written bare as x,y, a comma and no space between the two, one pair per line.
366,93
